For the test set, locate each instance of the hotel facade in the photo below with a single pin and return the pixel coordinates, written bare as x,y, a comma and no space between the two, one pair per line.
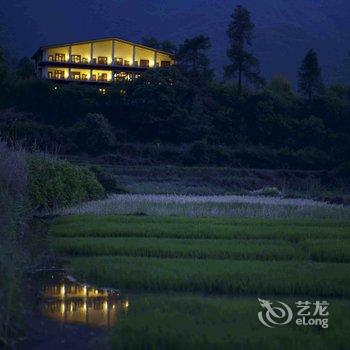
102,61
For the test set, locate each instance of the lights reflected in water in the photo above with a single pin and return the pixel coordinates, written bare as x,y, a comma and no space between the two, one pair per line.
72,302
94,313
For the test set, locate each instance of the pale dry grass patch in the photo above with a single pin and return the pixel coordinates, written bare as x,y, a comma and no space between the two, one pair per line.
209,206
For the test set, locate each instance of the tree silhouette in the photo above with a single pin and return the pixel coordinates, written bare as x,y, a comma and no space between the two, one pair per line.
310,83
192,57
243,63
165,45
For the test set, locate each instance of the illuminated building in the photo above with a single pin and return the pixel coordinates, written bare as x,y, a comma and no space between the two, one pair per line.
102,61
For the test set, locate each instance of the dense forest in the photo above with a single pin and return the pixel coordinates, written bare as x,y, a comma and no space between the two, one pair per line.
183,114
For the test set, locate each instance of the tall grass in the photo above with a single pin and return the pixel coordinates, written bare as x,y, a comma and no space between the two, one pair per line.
215,206
14,215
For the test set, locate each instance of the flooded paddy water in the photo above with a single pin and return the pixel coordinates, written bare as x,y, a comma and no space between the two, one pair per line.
63,299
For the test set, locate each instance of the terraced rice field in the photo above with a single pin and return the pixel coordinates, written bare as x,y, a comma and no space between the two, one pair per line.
197,280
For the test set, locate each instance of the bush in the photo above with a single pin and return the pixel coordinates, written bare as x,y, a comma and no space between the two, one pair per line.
94,134
197,153
107,180
267,192
56,183
344,170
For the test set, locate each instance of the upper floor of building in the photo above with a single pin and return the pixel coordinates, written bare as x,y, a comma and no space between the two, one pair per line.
112,55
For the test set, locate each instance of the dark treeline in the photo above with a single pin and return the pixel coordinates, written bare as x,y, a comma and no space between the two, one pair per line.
183,110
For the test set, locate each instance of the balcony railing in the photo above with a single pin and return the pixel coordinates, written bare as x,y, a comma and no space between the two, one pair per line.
103,61
93,78
77,77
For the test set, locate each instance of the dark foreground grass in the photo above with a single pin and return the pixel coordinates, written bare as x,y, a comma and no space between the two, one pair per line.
193,322
204,228
216,276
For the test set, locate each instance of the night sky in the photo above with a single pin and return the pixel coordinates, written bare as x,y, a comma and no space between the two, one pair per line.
285,28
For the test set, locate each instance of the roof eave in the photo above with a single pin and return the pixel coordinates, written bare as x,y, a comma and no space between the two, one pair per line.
97,40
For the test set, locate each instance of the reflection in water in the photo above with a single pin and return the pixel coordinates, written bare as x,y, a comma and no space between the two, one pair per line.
66,300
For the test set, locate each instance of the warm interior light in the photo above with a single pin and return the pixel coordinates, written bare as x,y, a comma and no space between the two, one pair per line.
63,308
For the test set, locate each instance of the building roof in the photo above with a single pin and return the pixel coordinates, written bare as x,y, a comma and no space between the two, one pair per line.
97,40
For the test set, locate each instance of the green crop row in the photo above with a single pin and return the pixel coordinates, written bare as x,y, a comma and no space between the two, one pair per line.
318,250
216,276
124,226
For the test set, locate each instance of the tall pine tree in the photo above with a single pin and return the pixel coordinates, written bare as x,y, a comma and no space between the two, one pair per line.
310,83
243,63
192,57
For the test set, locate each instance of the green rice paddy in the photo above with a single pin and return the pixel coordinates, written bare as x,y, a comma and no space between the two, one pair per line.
197,280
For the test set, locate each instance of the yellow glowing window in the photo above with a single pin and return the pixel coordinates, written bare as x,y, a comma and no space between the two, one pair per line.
144,63
102,77
102,60
60,57
165,64
76,58
59,74
118,61
75,75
